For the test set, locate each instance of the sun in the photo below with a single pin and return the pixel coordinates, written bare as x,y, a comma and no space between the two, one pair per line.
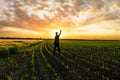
63,33
52,32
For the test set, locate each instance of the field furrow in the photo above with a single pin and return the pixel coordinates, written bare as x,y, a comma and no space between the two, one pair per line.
88,67
78,60
52,75
62,69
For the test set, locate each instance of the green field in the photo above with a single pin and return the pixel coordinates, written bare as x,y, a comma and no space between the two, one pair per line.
78,60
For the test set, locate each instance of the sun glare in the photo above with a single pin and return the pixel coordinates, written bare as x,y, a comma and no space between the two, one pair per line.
63,34
53,32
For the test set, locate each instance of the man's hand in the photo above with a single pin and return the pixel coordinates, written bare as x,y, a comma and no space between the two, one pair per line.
60,32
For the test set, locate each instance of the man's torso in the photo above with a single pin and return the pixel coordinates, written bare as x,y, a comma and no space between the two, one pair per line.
57,39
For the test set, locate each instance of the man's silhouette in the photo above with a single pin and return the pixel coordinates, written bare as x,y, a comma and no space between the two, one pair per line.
56,42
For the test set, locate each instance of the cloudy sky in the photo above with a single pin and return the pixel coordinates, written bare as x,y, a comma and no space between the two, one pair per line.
79,19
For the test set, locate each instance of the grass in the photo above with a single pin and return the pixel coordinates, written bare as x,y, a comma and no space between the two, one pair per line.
78,60
12,46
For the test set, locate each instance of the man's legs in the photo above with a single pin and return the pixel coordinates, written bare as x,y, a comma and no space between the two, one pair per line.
54,48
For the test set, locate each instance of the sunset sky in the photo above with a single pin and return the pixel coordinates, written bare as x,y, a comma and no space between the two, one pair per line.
78,19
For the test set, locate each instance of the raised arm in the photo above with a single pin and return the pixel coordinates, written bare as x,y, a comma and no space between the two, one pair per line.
60,32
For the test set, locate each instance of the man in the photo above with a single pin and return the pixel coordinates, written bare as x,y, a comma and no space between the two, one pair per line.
56,42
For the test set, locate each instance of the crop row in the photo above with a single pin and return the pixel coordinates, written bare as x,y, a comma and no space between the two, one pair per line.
37,62
22,65
90,65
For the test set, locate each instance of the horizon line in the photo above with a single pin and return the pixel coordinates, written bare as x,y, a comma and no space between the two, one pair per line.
53,38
